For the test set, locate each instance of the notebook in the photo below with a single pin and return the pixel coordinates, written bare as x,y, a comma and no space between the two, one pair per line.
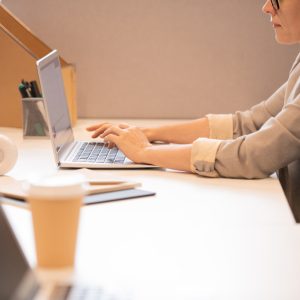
19,282
68,152
100,187
96,183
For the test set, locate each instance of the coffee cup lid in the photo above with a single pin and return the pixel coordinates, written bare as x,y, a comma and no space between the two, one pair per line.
58,184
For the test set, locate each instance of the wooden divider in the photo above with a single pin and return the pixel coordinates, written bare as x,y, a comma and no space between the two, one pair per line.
19,50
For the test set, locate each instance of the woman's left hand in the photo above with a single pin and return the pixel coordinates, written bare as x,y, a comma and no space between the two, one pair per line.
131,141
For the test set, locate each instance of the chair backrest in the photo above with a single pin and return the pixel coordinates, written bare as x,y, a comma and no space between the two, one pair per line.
290,180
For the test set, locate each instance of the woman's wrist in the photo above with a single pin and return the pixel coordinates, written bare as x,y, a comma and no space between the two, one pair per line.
149,132
144,155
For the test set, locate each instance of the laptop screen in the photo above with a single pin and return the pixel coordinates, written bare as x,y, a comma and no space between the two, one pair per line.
14,269
52,85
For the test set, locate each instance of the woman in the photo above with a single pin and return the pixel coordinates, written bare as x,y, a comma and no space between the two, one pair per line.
250,144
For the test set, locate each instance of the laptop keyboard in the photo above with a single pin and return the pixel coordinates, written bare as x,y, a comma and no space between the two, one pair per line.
94,152
68,292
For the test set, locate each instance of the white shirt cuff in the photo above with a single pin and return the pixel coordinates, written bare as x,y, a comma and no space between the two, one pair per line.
203,156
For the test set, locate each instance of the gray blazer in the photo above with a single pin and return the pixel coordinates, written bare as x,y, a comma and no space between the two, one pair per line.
254,143
279,117
257,142
266,137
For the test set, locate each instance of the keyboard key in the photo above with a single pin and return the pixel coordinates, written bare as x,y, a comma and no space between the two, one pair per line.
109,160
96,151
100,161
119,161
111,156
91,160
93,157
105,150
83,146
81,159
84,157
113,151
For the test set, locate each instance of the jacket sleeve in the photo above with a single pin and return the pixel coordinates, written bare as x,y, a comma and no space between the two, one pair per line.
252,120
230,126
255,155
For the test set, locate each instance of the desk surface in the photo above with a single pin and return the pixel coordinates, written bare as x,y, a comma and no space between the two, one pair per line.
198,238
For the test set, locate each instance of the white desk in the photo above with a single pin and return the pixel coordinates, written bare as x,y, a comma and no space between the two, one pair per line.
198,238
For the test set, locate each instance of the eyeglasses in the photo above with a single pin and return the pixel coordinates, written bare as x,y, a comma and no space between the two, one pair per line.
275,4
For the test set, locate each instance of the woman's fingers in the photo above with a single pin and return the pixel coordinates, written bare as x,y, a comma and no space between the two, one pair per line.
100,128
112,130
123,125
131,141
97,126
111,139
94,127
109,144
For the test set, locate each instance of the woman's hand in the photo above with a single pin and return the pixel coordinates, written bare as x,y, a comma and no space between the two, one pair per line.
134,143
130,140
101,127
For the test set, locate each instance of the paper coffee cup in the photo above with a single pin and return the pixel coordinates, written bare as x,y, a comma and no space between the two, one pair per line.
55,203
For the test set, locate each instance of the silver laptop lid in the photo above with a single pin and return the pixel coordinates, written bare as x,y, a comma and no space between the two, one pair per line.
52,85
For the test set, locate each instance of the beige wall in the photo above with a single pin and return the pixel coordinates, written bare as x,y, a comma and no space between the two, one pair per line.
162,58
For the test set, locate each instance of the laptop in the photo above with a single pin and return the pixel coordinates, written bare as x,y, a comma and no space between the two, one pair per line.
19,282
68,152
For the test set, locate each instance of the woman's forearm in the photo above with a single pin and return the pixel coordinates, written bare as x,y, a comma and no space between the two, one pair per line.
135,145
168,156
180,133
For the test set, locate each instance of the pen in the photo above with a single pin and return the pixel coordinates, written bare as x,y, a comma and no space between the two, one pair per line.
34,89
23,91
29,89
26,85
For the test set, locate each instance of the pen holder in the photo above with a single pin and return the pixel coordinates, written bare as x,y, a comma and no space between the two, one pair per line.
34,118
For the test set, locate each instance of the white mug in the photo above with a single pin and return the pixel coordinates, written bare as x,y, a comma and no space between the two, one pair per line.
8,154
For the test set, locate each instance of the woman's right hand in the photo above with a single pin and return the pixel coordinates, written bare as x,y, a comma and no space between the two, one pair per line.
101,127
98,129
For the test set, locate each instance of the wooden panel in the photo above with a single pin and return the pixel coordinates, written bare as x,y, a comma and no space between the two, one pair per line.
13,26
18,53
15,64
